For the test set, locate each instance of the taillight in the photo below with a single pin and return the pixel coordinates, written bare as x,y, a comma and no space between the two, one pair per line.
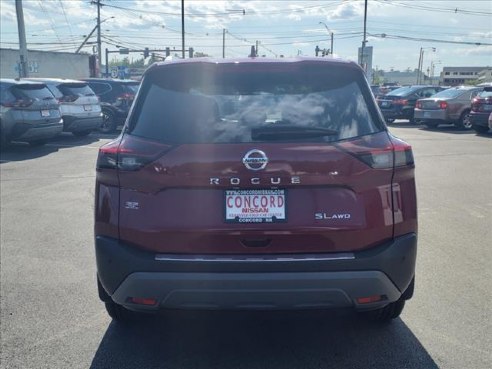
475,106
126,96
68,98
443,105
130,153
418,105
400,102
381,153
19,103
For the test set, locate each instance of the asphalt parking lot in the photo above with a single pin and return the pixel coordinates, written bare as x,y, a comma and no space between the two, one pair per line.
51,316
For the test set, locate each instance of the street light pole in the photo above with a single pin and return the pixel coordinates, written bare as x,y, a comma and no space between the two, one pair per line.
183,27
362,61
99,53
22,39
330,32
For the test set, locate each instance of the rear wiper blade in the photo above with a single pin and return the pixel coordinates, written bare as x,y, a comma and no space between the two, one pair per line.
282,131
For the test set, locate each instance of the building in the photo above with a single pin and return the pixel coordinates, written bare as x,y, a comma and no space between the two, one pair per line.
454,76
45,64
405,78
485,75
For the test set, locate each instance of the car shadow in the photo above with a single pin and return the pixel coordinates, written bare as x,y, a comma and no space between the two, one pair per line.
21,151
310,339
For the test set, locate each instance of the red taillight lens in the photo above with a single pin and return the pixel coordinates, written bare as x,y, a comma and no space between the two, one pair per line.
19,103
142,301
475,106
400,102
68,98
126,96
418,104
130,153
443,105
379,152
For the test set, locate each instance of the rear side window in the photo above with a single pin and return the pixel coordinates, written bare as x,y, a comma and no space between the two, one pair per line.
402,91
75,89
100,88
230,104
32,91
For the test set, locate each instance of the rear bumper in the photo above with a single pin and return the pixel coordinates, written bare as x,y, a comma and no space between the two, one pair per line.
433,115
479,119
256,281
34,132
404,113
77,124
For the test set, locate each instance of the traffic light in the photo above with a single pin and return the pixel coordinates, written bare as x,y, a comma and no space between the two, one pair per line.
190,51
168,51
317,50
146,53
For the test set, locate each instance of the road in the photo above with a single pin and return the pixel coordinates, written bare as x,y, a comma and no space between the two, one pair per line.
51,316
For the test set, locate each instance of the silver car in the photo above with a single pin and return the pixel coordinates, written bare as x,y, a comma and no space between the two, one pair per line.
79,105
28,112
451,106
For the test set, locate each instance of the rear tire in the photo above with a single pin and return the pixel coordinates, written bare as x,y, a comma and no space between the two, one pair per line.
431,125
81,133
480,129
387,313
108,124
464,121
118,312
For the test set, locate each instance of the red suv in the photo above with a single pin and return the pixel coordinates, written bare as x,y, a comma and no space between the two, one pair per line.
255,184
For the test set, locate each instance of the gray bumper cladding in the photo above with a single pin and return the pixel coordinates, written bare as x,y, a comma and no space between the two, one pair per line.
255,290
256,281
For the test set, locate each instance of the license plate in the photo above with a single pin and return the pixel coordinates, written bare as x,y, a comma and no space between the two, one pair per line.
87,107
255,206
45,113
385,104
427,114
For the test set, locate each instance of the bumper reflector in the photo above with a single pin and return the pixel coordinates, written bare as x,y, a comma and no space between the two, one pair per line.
142,301
369,299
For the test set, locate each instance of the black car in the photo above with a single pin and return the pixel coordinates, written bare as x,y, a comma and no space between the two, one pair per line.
481,109
400,103
116,96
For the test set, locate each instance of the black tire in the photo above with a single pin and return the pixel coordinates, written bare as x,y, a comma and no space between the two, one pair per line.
464,121
387,313
81,133
118,312
480,129
431,125
108,124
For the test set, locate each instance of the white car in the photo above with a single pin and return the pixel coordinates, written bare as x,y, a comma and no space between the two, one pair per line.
79,105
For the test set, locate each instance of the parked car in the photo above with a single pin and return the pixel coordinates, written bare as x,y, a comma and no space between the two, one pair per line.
28,112
490,121
255,184
116,97
400,103
451,106
481,108
79,105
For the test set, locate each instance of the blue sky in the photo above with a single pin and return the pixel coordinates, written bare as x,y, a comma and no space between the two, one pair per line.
396,29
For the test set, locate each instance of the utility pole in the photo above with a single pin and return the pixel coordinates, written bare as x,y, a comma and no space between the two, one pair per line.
183,27
223,43
256,50
99,53
420,65
364,39
22,39
331,46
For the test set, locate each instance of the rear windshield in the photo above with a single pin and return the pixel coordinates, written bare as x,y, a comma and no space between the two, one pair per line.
450,93
403,91
486,93
131,87
75,89
32,91
203,104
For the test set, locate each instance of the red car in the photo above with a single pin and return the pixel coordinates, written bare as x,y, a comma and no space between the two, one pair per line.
255,184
